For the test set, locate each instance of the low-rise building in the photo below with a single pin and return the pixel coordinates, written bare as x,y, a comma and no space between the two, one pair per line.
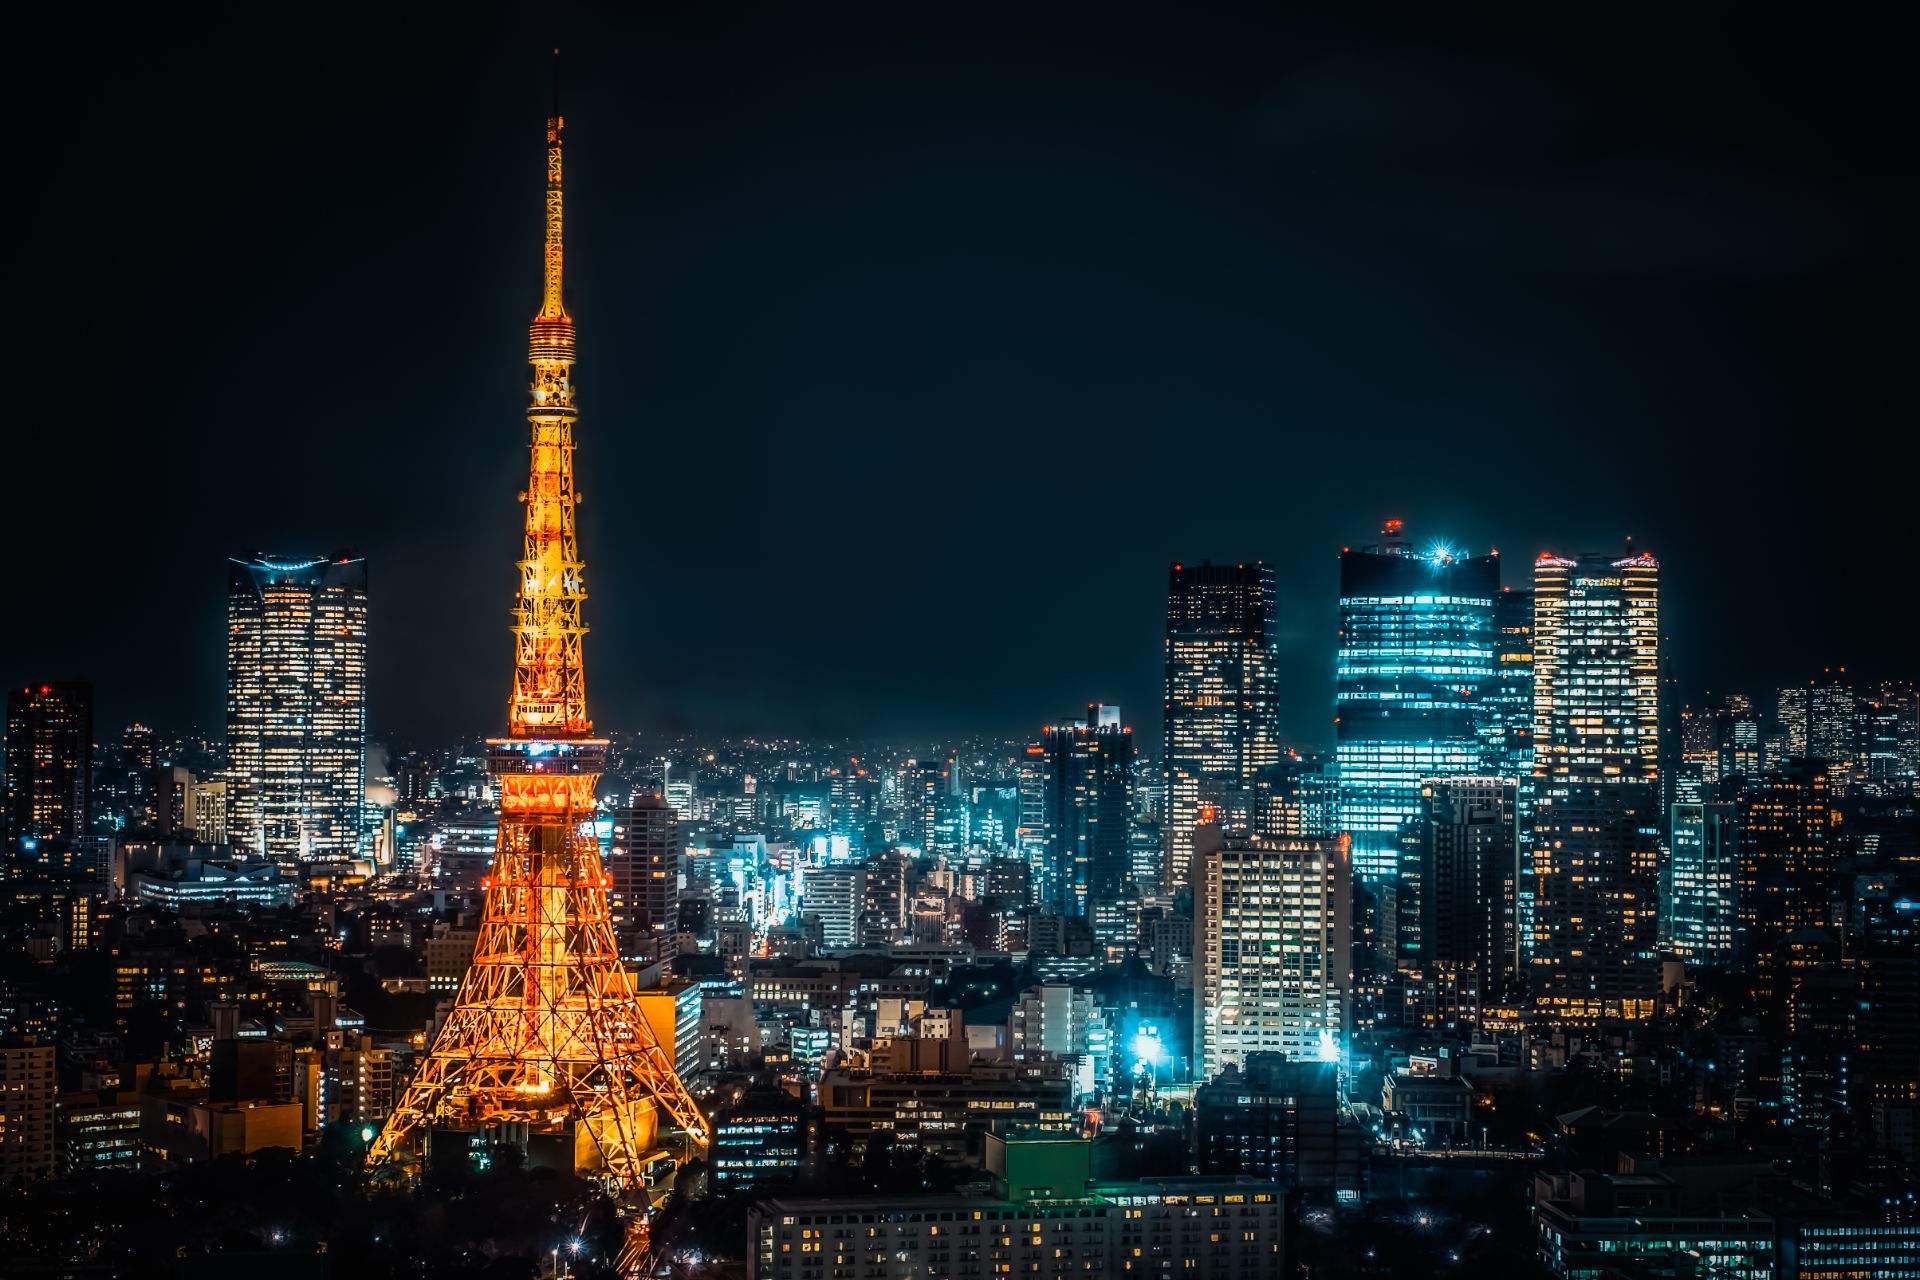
1044,1218
1278,1118
97,1131
939,1109
1596,1226
26,1109
759,1140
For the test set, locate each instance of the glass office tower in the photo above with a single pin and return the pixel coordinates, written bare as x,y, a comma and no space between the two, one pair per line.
297,706
1415,668
1086,800
1697,883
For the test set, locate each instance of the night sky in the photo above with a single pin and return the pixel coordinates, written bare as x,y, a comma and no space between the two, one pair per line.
916,340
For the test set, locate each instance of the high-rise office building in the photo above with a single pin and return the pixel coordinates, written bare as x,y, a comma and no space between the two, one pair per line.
836,896
643,863
1508,700
1787,861
49,749
1297,797
1455,900
1086,799
1596,668
1221,712
1888,733
1273,947
1595,789
1415,665
923,783
1832,720
296,706
1697,883
1790,713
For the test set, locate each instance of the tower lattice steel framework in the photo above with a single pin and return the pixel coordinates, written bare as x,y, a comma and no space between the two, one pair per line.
546,1028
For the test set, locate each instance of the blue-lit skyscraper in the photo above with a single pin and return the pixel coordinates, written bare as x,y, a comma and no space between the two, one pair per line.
1508,700
1086,800
1416,663
1697,883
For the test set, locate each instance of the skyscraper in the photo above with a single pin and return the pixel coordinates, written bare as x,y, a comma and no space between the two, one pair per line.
1697,883
1508,700
1221,712
1790,712
1273,948
1595,786
643,864
1596,668
1415,666
1086,798
49,790
1456,897
1787,866
1832,723
296,706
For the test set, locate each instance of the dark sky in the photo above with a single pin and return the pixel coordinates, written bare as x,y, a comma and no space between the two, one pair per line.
917,339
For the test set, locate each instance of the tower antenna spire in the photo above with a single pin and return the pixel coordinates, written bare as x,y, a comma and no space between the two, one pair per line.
552,307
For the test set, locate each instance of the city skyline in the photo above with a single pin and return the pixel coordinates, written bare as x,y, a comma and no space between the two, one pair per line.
1562,926
751,266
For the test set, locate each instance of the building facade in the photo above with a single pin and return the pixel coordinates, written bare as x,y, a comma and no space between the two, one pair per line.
27,1092
1046,1217
644,864
1221,710
1273,948
1455,900
1594,853
1786,872
296,706
1698,883
49,781
1086,783
1414,669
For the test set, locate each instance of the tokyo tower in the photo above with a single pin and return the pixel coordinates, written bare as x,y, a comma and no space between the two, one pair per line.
546,1034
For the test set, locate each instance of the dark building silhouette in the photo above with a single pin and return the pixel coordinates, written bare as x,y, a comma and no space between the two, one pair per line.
49,776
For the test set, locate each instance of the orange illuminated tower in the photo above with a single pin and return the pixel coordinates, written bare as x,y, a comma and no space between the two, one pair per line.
546,1031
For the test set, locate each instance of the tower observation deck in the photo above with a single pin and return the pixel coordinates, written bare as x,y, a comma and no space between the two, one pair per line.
547,1034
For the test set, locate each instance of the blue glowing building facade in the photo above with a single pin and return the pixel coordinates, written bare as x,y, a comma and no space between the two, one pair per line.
1086,769
1697,883
1416,665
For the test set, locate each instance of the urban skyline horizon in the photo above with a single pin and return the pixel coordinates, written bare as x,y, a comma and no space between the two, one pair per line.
920,887
118,707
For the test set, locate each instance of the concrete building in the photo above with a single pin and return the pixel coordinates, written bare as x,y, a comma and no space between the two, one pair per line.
1273,942
27,1094
1045,1217
1279,1120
